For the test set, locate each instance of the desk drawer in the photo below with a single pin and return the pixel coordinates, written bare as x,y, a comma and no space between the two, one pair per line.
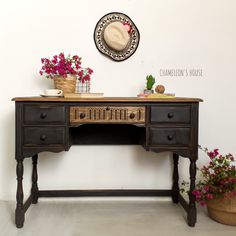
43,136
107,114
170,114
170,136
37,114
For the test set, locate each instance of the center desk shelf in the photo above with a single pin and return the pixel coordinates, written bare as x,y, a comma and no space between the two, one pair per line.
54,124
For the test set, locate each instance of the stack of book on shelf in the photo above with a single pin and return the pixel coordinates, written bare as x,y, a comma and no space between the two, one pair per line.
83,95
157,95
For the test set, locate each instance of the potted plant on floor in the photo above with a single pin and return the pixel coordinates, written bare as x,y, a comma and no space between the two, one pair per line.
65,71
216,187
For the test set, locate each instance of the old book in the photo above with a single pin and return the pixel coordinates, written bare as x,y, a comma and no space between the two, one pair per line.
161,95
83,95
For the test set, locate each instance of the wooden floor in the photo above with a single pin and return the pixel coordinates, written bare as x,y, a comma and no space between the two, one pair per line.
85,217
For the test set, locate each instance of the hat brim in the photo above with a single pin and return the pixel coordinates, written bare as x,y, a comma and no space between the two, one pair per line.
101,45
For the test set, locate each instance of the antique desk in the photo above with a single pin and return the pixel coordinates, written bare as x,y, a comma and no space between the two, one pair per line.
54,124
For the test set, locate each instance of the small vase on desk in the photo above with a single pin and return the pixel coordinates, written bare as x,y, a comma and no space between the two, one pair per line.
83,87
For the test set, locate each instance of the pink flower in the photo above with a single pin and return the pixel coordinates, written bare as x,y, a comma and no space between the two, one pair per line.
127,26
80,74
61,56
216,151
63,65
85,78
206,188
209,196
75,57
90,71
211,154
202,203
196,192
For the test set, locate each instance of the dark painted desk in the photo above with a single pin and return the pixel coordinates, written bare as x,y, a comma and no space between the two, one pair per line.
54,124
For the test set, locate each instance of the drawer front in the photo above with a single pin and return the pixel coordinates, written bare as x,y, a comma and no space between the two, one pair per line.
107,114
170,114
43,136
44,114
170,136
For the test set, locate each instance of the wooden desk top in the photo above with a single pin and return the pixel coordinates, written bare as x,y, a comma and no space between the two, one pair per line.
105,99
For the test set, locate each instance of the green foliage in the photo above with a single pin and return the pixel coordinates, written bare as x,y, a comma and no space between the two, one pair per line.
150,82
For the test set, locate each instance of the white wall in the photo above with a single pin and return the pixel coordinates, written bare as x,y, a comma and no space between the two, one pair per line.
174,34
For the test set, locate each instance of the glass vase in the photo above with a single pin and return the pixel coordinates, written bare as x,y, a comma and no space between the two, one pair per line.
83,87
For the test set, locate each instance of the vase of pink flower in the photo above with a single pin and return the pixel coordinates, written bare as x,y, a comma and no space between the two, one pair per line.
216,187
66,71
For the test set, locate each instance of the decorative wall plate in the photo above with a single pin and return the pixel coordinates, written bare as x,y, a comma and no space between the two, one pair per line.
116,36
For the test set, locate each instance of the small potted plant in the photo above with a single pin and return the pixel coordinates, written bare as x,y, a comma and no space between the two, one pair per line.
65,70
150,81
216,187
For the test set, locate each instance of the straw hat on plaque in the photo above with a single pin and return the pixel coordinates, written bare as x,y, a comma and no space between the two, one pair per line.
116,36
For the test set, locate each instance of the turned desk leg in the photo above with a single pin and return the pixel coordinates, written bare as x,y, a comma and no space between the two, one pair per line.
192,212
19,212
34,188
175,187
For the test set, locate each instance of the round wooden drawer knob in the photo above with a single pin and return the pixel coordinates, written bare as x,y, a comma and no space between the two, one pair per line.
82,116
43,137
170,115
43,115
170,137
131,116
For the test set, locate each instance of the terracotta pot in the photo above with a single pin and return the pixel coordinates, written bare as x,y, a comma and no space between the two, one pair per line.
223,210
67,85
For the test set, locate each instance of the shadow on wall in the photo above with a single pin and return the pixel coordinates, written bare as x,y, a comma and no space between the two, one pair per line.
8,163
8,154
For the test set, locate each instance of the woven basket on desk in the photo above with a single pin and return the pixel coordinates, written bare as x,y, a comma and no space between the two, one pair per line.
67,85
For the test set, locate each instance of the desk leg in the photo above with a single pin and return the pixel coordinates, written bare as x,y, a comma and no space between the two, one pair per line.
192,212
34,188
19,212
175,187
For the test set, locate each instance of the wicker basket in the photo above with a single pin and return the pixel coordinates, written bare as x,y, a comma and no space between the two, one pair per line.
67,85
223,210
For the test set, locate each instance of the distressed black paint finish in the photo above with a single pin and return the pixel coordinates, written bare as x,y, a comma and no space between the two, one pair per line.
19,213
43,125
34,188
175,188
192,213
